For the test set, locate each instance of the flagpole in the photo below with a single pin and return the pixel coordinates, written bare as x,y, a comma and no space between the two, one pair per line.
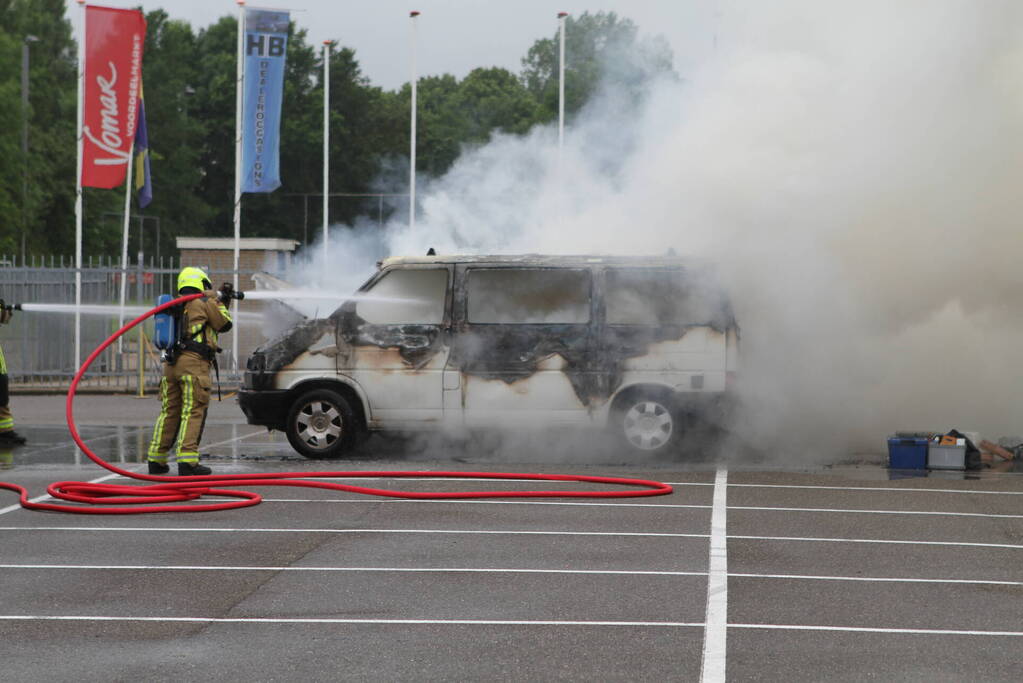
326,149
124,240
238,165
78,190
560,196
412,135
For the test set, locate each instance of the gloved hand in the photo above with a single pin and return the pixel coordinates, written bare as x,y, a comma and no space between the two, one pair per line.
226,293
6,313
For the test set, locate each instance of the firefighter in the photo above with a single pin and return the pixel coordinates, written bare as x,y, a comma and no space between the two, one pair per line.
8,437
185,385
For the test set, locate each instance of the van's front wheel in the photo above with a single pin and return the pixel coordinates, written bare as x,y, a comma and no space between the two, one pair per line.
647,423
322,424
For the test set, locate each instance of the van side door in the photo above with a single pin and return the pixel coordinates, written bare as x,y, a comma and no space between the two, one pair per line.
523,344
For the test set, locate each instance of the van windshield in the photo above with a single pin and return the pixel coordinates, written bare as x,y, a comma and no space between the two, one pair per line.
405,297
528,296
638,296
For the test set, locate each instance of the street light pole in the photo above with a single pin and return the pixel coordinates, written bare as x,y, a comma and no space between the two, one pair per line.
24,140
561,82
326,155
412,131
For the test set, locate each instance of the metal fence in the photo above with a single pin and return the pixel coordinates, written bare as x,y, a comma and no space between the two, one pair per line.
40,346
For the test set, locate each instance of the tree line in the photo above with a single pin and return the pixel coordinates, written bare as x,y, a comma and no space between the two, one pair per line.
189,92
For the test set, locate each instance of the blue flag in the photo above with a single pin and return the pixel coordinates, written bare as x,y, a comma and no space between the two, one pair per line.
143,182
265,45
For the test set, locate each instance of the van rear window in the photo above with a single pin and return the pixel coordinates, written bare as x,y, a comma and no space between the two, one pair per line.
406,297
636,296
528,296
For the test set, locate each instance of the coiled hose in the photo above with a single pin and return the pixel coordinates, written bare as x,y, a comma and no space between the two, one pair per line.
118,499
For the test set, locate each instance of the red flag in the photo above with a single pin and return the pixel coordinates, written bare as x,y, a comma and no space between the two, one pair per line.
114,39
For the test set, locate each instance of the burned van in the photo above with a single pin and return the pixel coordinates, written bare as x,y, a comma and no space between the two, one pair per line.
637,346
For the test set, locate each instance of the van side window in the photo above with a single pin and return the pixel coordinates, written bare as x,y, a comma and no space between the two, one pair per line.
637,296
522,295
406,297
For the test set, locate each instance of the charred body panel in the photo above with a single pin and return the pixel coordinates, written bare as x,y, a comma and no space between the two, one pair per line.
268,359
512,353
646,321
417,344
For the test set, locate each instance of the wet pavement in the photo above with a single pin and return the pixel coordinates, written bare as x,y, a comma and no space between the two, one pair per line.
837,571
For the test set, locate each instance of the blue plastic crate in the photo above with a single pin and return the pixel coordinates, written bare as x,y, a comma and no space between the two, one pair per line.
907,454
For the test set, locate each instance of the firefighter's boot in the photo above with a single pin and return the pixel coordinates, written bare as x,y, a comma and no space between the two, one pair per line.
11,438
158,467
191,469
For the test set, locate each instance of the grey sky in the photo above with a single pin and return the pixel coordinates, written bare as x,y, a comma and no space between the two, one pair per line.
455,36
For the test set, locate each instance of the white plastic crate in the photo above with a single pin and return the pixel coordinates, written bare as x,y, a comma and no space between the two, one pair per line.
946,457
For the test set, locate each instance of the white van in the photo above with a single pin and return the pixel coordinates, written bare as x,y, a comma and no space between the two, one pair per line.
638,346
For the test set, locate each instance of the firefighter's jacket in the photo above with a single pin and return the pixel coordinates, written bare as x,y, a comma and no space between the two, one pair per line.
203,320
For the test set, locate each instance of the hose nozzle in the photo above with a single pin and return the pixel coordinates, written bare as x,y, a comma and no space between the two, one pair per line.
228,292
9,307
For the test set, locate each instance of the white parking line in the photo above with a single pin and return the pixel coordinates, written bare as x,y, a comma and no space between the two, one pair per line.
874,512
480,502
890,489
231,530
372,501
610,534
881,489
313,620
715,634
884,579
421,570
811,539
867,629
494,622
495,570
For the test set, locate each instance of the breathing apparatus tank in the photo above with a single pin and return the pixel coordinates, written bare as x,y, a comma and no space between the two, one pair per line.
165,333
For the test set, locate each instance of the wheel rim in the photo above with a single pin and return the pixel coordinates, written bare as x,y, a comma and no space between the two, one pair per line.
319,424
648,425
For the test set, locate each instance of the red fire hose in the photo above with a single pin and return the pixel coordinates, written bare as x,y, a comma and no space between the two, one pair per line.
120,499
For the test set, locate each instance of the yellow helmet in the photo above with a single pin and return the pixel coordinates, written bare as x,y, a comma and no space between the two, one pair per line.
193,277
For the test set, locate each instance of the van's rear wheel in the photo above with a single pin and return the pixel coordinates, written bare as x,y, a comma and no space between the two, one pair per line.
647,423
322,424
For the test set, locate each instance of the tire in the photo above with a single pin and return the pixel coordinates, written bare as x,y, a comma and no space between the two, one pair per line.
647,423
322,425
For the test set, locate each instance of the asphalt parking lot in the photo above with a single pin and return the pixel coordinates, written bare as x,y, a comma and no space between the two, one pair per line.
756,571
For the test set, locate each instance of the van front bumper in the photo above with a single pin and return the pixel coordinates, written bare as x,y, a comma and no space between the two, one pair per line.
267,407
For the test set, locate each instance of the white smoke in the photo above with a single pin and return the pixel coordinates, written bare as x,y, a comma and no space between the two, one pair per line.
853,168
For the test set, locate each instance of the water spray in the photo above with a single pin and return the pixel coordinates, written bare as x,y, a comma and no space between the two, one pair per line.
316,294
226,292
